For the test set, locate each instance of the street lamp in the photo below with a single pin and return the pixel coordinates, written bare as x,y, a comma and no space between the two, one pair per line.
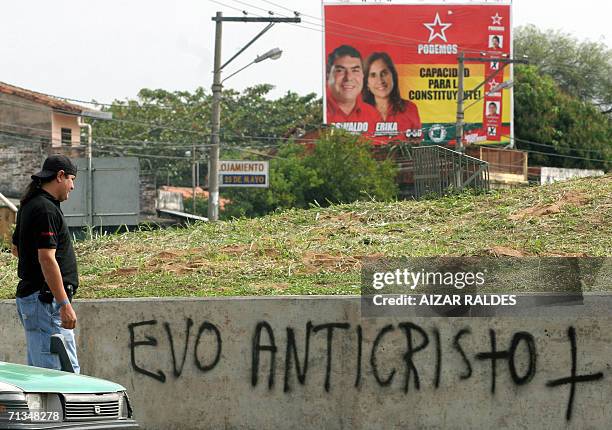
505,60
272,54
217,87
499,87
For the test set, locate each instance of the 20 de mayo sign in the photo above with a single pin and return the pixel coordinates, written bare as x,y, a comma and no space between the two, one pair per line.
234,173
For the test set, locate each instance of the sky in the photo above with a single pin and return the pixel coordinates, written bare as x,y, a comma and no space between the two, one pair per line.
111,49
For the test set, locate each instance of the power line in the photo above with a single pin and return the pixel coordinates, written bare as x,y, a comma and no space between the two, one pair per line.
153,125
248,137
25,126
98,144
595,151
552,154
31,107
186,145
186,157
362,29
321,28
98,139
152,144
563,156
291,10
116,104
243,149
143,142
167,157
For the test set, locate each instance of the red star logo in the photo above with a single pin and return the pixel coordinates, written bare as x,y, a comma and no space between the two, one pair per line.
437,29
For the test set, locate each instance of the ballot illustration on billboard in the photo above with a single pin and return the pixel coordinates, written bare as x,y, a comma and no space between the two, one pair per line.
391,71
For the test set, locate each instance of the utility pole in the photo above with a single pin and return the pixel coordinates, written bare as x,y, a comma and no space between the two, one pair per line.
193,178
461,59
213,173
217,87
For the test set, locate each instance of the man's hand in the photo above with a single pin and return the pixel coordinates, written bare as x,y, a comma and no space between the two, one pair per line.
53,276
68,316
15,251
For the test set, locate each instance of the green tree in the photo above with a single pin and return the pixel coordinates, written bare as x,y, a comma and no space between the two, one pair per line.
340,168
161,126
289,179
544,113
580,68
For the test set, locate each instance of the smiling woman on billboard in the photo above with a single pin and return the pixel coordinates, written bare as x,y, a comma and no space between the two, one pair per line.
398,119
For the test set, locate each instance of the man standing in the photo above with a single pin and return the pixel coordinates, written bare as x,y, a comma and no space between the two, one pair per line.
345,109
47,264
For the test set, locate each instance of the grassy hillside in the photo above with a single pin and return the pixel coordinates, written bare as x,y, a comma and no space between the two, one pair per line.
319,251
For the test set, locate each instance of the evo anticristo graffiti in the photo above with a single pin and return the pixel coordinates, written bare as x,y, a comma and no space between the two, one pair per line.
314,362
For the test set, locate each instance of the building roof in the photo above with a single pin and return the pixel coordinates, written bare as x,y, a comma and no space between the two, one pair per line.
43,99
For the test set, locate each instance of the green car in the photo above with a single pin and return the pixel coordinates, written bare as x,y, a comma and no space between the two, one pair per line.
36,398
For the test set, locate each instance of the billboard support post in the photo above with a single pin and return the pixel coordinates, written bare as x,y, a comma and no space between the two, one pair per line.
460,95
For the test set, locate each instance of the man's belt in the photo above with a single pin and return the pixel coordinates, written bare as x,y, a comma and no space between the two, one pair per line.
46,296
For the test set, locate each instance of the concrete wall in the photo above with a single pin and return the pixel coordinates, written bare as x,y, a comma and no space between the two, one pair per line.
23,144
246,363
549,175
148,192
169,200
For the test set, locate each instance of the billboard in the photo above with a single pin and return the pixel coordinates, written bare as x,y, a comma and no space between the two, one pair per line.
391,70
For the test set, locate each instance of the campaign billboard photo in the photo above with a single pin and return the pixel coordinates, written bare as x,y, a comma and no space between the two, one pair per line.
391,70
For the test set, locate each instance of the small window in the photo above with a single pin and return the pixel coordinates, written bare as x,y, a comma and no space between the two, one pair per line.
66,136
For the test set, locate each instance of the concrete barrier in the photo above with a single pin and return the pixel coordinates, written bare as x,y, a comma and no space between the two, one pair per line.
314,363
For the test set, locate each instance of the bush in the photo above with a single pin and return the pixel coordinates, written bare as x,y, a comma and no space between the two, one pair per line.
339,169
347,171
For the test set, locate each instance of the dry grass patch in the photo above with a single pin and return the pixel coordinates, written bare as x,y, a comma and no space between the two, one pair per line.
321,250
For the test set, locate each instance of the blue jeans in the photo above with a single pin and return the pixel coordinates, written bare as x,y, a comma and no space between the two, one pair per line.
41,321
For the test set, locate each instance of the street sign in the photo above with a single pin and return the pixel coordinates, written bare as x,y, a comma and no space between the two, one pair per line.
241,173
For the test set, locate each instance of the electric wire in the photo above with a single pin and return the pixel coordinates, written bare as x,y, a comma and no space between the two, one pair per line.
98,146
179,145
247,137
321,28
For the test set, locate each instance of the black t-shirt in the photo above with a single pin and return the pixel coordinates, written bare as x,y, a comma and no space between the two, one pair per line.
41,225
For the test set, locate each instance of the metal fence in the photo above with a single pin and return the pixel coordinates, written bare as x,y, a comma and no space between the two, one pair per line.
439,170
114,193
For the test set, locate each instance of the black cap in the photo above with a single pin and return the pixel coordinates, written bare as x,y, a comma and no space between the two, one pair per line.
53,164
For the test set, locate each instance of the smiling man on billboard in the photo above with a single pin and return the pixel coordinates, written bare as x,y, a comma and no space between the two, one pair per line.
345,109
